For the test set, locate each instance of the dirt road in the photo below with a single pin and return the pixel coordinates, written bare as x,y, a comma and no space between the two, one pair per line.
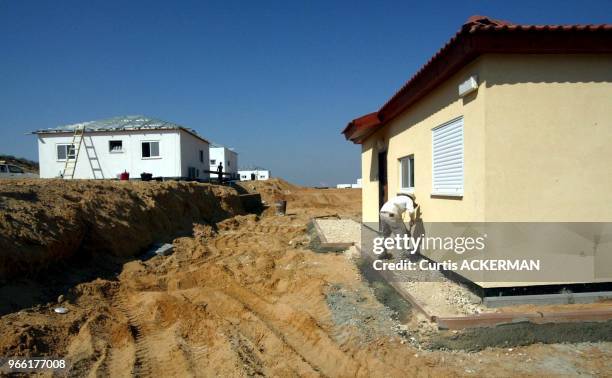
247,297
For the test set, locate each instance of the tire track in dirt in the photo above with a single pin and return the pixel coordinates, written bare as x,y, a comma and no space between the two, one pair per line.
299,331
142,360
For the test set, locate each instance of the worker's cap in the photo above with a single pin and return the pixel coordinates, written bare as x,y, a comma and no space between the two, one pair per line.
411,195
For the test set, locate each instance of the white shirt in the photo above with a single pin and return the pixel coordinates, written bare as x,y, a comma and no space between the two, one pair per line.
398,205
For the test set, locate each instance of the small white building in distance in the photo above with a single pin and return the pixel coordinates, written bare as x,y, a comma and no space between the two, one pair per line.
256,173
356,185
135,144
227,156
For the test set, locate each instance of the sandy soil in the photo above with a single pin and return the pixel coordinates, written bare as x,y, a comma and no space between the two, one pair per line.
246,297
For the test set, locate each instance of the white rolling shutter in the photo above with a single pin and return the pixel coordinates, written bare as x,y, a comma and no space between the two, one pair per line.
448,159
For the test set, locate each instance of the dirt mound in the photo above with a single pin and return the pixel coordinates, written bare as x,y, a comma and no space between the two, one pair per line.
302,200
44,221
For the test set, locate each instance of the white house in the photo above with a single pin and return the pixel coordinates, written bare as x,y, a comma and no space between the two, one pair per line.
227,156
135,144
356,185
254,174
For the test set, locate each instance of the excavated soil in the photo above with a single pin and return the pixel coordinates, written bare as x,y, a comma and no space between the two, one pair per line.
45,221
246,297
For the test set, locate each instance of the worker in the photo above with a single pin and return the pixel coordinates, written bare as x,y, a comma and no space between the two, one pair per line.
391,217
220,171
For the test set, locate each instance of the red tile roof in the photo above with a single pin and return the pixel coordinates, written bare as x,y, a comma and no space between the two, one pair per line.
480,35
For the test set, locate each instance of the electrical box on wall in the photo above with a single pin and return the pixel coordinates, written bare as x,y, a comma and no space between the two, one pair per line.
468,86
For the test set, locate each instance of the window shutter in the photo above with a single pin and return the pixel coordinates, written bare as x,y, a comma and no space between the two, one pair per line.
448,158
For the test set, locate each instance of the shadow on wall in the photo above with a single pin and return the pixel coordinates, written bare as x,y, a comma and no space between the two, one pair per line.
521,69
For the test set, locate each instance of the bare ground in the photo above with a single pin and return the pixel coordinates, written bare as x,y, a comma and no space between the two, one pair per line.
246,297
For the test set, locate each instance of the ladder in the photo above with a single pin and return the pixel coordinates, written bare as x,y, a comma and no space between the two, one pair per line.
75,146
92,157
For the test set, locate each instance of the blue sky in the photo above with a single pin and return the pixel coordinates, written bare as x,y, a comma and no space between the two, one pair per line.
277,80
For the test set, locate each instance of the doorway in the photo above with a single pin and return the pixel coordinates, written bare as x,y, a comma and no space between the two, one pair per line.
382,179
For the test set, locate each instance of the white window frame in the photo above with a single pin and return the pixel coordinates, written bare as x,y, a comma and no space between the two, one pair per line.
458,160
158,156
68,156
110,150
410,188
213,161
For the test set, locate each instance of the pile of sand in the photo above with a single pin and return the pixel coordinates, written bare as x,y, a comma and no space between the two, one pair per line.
317,202
44,221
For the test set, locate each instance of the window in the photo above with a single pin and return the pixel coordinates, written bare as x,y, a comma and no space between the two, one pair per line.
150,149
407,173
115,146
14,169
228,163
3,169
447,149
65,150
213,161
244,176
201,156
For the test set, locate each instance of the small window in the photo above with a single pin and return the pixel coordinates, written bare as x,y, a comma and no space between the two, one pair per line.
65,150
244,176
262,177
213,162
407,173
228,163
3,169
14,169
150,149
115,146
201,156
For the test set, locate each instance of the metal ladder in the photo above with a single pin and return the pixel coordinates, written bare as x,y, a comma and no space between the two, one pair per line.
92,157
77,140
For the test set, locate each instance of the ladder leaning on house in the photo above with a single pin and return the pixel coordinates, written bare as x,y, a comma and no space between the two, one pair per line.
77,140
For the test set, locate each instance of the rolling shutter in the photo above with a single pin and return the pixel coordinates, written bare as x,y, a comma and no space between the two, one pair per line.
448,158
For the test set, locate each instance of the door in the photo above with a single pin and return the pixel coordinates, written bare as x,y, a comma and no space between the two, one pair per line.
383,194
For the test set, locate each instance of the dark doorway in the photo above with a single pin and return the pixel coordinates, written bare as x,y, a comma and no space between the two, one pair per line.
382,179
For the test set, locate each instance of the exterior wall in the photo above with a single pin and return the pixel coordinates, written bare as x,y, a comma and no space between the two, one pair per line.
261,174
190,147
411,134
112,163
536,148
549,128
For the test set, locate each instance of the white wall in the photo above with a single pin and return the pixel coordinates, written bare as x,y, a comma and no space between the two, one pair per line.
190,148
262,174
225,155
113,163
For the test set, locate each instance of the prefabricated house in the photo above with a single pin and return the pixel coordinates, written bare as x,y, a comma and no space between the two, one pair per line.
356,185
135,144
505,123
227,156
247,174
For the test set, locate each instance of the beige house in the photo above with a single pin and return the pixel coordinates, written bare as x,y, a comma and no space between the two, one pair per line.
506,123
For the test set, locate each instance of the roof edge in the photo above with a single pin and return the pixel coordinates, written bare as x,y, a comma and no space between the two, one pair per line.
481,35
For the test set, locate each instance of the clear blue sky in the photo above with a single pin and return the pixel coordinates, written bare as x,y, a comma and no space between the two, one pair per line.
276,80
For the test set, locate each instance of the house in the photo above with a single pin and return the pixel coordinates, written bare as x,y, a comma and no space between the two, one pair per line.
505,123
136,144
356,185
253,173
227,156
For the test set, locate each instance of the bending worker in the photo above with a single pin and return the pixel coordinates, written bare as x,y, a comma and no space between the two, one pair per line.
392,213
